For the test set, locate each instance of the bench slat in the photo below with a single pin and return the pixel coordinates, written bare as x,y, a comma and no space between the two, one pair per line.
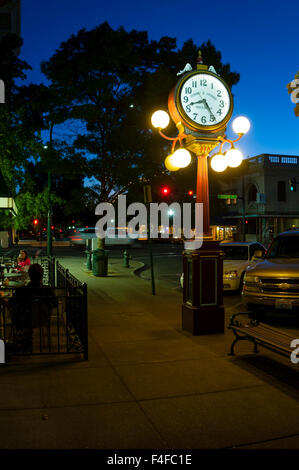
274,330
261,334
263,331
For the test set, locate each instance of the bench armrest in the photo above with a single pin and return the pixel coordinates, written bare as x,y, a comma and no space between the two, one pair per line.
234,322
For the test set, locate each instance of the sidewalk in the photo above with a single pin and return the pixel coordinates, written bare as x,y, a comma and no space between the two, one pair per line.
148,383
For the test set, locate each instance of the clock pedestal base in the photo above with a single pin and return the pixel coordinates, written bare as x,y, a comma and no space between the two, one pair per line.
202,320
202,309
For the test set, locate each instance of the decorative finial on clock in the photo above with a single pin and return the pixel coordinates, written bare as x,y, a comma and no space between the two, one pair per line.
199,57
200,65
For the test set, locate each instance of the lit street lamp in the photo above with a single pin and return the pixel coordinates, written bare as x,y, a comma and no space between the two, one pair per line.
181,158
201,105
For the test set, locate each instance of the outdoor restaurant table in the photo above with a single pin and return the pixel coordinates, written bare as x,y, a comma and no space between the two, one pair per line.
14,276
16,279
16,284
8,265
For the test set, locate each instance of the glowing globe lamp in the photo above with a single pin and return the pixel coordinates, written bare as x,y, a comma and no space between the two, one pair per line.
181,158
169,165
233,157
241,125
218,163
160,119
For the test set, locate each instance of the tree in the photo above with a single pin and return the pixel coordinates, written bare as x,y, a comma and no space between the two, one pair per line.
19,124
111,81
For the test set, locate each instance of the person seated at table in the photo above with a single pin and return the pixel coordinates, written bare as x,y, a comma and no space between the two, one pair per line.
31,308
35,287
36,273
23,261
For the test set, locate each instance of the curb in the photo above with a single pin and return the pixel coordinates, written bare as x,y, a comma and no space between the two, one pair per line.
139,269
43,243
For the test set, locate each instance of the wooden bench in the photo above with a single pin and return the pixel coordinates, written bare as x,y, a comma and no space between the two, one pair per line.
260,334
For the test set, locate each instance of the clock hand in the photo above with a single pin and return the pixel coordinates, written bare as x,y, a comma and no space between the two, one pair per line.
208,107
196,102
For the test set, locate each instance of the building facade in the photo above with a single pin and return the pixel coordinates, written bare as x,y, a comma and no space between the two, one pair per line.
267,187
10,17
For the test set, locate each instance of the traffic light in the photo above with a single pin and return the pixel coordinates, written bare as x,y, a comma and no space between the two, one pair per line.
165,190
190,192
35,222
292,184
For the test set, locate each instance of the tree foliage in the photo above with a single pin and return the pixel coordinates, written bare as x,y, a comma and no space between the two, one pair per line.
112,81
104,86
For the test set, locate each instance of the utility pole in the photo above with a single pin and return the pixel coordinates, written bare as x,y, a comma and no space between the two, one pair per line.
49,232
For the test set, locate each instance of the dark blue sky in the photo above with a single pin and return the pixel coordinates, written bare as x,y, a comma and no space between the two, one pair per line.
259,38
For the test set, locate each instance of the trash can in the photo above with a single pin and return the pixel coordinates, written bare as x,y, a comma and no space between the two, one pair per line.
99,263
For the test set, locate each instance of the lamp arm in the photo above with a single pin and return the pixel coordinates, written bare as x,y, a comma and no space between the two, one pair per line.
180,136
224,140
174,140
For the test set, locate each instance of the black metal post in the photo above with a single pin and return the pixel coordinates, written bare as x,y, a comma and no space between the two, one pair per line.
49,232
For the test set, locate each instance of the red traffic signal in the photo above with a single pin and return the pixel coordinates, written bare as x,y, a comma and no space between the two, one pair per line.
165,190
190,192
35,222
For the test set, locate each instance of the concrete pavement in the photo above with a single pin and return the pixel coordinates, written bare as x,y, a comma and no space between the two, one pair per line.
147,383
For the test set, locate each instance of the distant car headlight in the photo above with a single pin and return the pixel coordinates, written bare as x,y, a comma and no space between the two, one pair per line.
230,274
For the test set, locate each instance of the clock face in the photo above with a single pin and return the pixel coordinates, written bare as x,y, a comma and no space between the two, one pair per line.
204,100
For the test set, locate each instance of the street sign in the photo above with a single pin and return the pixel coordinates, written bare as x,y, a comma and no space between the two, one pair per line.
227,196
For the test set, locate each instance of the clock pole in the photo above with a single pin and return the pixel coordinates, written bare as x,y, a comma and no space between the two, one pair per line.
202,149
202,190
202,308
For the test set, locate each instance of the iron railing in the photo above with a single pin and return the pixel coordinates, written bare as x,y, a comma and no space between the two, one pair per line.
48,320
41,325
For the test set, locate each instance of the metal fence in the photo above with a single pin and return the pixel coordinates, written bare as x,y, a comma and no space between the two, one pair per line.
65,279
48,320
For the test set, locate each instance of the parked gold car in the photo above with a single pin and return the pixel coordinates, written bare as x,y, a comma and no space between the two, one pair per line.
274,282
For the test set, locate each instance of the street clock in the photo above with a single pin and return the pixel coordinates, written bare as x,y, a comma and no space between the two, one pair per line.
201,101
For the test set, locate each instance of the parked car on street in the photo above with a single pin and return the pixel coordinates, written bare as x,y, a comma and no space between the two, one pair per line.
274,282
238,256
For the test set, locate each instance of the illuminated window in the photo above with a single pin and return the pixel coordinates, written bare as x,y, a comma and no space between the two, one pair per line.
292,160
274,159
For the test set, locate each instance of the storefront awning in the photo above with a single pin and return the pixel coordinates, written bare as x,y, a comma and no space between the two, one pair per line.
8,203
